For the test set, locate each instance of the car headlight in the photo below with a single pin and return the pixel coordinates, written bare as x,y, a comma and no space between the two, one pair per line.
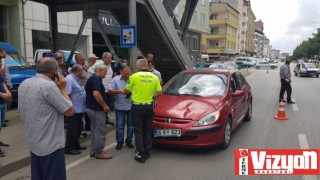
303,70
208,119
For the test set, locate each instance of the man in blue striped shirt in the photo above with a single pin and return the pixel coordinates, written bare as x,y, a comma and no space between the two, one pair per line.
77,95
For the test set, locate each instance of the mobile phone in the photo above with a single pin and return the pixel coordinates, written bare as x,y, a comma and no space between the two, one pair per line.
128,95
56,75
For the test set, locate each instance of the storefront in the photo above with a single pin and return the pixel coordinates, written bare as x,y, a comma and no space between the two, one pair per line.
112,29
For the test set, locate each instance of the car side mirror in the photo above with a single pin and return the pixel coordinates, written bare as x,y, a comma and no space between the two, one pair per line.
238,93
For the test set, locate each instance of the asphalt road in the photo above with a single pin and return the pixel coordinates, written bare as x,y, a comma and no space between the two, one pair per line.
263,131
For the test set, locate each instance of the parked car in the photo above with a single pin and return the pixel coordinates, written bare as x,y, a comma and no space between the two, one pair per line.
265,65
201,107
247,61
40,52
306,69
19,70
224,65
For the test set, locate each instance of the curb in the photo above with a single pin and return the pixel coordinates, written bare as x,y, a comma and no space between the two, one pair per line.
16,165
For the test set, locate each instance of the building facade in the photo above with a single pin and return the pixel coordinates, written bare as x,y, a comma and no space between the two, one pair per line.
198,25
250,31
26,27
223,23
258,39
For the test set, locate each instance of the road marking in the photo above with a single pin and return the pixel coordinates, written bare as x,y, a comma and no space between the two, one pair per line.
295,106
304,145
303,141
87,157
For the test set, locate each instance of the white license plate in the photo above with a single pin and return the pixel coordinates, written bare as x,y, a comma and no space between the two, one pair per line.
167,133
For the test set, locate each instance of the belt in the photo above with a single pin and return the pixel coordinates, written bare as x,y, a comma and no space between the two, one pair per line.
142,103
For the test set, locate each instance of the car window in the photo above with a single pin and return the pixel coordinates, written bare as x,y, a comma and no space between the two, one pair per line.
240,80
233,85
15,60
197,85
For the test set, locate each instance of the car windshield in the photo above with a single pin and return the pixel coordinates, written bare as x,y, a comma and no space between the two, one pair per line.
191,84
14,60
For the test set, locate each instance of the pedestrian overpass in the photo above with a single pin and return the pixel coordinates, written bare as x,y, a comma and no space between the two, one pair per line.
158,31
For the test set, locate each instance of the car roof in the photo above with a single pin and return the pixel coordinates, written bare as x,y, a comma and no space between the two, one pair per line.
8,47
208,70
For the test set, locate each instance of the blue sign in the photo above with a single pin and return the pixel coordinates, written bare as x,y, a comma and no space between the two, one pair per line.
229,51
128,36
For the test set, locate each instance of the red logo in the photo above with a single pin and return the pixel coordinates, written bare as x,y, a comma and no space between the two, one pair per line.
277,161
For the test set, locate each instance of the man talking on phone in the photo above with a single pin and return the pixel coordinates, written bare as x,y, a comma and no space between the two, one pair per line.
43,101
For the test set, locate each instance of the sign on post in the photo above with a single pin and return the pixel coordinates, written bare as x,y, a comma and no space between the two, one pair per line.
128,36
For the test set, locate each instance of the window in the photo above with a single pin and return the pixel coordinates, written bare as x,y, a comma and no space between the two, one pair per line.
203,19
213,16
240,80
195,16
214,30
214,44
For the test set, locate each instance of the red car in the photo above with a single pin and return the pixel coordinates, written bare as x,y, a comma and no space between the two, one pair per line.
201,107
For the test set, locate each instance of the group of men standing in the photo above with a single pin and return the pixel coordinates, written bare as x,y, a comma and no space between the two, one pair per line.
47,98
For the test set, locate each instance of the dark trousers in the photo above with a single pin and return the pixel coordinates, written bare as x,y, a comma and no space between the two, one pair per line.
285,86
73,131
49,167
142,117
87,121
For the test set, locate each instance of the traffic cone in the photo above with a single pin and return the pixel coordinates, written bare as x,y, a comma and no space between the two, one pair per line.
281,113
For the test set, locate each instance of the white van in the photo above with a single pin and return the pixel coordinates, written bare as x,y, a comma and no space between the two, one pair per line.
248,61
205,57
39,54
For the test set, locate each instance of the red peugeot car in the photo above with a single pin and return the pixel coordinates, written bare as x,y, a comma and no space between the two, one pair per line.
201,107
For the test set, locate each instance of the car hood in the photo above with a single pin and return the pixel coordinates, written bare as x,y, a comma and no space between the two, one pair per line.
313,69
17,76
186,107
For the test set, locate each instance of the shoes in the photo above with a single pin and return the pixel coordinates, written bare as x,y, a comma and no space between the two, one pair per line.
283,100
1,153
4,125
130,145
92,155
3,144
291,102
73,152
6,120
147,156
104,155
84,134
119,146
81,148
140,158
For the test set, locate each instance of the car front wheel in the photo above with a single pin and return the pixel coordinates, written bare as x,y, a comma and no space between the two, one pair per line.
249,113
227,134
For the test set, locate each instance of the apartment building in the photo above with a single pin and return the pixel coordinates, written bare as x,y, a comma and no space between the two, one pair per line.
198,25
249,49
223,23
258,39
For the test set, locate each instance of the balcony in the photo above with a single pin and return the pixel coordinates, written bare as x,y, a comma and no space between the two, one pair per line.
216,36
234,24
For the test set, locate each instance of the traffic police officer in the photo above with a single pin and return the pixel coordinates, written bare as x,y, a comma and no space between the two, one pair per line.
145,86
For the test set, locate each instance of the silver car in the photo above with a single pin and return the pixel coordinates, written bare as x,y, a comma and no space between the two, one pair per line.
265,65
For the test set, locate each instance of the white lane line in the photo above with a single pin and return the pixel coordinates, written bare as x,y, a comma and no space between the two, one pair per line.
304,145
86,158
303,141
295,106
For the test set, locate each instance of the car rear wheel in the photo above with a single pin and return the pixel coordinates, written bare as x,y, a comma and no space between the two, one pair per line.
258,67
317,75
227,134
272,67
295,74
249,113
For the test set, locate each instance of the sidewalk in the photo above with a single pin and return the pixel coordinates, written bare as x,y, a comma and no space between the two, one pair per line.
18,155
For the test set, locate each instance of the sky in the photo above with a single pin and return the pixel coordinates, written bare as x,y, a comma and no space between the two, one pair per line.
287,22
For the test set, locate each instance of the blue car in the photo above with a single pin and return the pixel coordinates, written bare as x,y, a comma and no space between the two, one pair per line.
17,68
